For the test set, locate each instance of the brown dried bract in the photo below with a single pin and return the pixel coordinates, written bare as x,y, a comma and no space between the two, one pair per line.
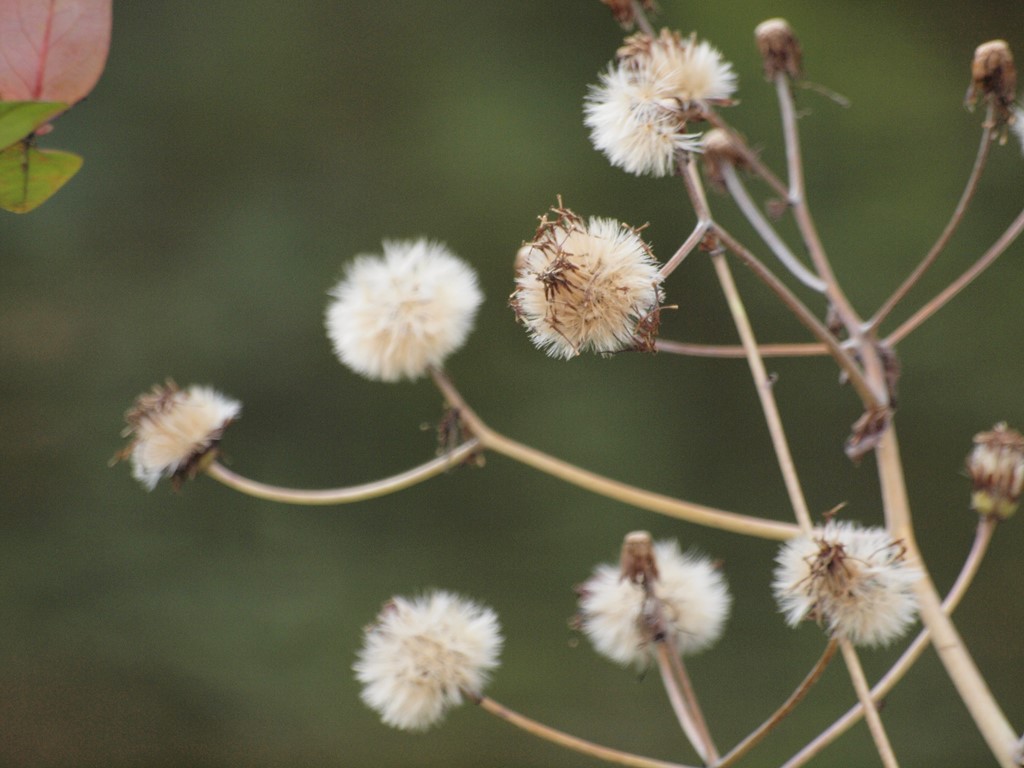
624,10
994,78
779,48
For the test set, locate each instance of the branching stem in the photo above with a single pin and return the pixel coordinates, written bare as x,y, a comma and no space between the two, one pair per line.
349,494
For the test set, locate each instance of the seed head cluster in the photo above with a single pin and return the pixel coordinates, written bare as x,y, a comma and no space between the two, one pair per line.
587,285
638,112
855,581
394,316
682,597
421,656
174,431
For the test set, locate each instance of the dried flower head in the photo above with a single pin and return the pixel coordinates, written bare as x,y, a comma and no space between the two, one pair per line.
422,655
994,78
996,468
721,149
587,286
853,580
394,316
779,49
625,12
174,432
654,593
639,111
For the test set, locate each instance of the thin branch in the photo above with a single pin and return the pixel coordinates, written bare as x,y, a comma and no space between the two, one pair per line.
688,245
348,494
782,712
563,739
680,695
870,398
736,188
764,393
612,489
982,538
640,17
958,215
860,684
933,306
802,214
735,351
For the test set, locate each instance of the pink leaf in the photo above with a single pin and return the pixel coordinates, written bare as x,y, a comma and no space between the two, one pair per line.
52,50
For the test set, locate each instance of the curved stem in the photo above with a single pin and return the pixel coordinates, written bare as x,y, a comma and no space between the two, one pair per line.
764,393
735,186
563,739
986,527
688,245
782,712
860,684
958,215
684,700
751,161
960,667
612,489
940,300
734,351
348,494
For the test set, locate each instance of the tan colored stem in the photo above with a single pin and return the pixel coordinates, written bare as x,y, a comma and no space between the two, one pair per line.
348,494
958,215
764,393
955,658
563,739
612,489
735,351
860,684
782,712
684,700
944,296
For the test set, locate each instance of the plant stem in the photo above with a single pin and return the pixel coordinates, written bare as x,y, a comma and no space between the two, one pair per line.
1005,241
865,390
563,739
684,700
986,527
958,215
734,351
782,712
684,250
802,214
735,186
764,393
953,654
348,494
613,489
860,684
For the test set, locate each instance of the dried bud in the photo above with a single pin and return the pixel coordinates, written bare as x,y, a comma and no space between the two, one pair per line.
721,149
779,48
623,10
994,77
996,467
637,562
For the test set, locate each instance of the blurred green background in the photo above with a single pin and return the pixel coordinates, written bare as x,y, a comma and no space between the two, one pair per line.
237,155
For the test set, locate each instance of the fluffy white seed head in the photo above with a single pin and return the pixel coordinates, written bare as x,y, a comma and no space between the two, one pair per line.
688,594
638,113
855,581
394,316
173,431
587,286
1017,125
422,654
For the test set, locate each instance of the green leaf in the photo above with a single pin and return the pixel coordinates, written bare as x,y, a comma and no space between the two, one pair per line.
28,176
19,118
